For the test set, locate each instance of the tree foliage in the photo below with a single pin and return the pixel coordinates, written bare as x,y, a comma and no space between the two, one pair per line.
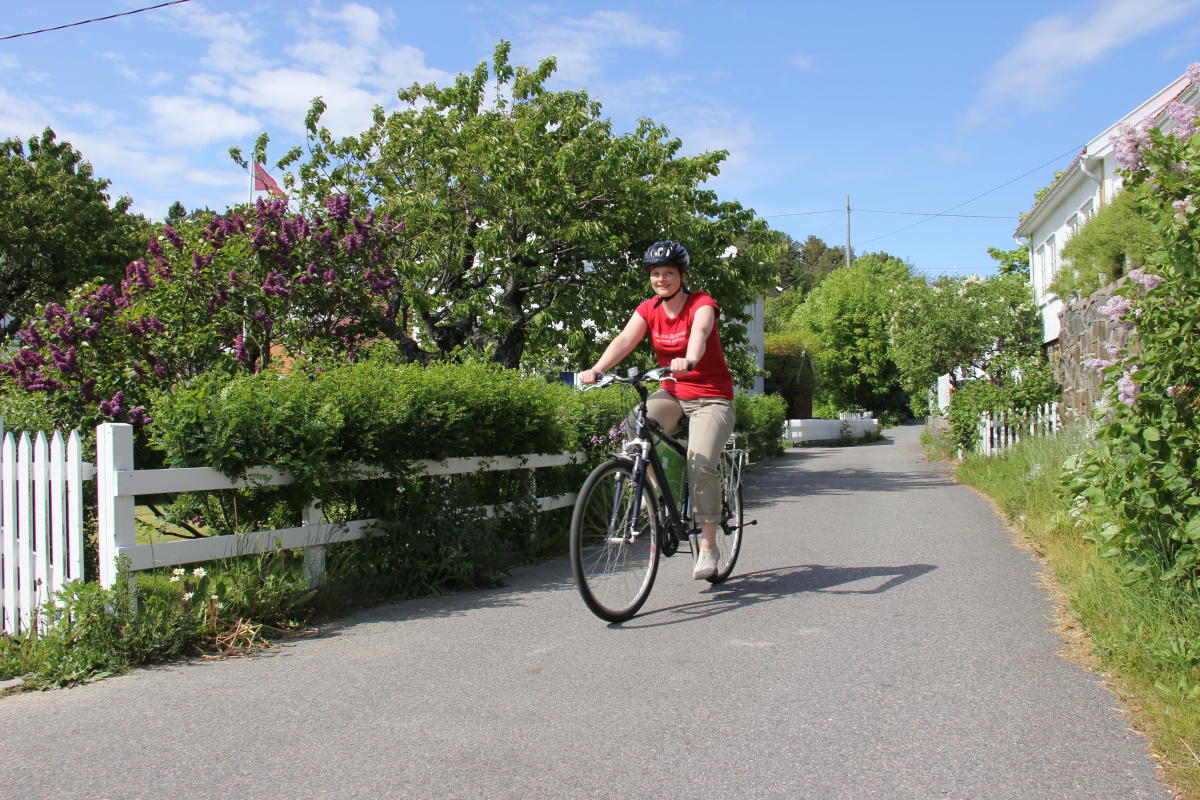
1119,238
959,325
527,215
58,226
1011,262
848,319
801,267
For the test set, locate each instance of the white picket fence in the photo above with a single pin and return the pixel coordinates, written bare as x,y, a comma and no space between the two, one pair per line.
41,520
118,483
998,432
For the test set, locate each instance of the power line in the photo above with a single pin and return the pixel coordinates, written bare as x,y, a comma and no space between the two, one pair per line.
977,197
932,214
95,19
803,213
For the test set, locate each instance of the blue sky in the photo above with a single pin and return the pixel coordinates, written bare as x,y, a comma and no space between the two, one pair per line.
905,107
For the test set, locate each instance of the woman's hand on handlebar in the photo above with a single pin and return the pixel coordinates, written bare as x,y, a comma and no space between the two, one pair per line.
680,366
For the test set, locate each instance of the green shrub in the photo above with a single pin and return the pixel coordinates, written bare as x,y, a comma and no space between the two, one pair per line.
760,420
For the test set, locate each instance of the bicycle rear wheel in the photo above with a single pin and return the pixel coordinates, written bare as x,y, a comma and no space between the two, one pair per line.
729,534
613,556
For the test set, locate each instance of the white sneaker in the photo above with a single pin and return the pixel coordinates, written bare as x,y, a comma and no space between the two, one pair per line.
706,565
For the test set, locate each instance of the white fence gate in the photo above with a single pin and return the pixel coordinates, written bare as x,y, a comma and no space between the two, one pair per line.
41,521
998,432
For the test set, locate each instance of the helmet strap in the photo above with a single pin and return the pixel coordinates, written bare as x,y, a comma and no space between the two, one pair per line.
669,298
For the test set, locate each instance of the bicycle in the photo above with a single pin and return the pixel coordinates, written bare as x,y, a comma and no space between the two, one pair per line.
619,529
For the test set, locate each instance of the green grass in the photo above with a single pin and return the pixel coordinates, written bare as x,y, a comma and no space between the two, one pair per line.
1143,633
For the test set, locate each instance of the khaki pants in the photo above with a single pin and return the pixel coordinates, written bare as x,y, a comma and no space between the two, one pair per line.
710,422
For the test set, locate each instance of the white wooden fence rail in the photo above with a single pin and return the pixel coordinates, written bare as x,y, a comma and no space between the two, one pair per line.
41,520
998,432
118,483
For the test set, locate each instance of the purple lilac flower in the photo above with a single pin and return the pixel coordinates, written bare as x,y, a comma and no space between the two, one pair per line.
1127,390
1116,307
138,417
240,353
1182,207
1176,391
1193,72
1127,145
88,389
1184,117
338,206
1098,364
1147,279
114,408
173,237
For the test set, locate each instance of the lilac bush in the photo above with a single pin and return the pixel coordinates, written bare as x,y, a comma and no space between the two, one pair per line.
252,289
1145,465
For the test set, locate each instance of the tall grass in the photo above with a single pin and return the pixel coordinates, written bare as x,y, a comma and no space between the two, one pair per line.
1143,632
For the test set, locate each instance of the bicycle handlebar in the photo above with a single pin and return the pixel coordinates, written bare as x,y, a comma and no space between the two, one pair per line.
609,378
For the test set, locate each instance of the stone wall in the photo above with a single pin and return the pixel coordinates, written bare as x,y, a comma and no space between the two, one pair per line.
1085,334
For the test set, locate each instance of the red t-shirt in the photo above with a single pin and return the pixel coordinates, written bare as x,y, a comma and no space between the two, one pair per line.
711,377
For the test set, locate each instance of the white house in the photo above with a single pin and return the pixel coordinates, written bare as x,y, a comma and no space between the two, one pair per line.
1088,184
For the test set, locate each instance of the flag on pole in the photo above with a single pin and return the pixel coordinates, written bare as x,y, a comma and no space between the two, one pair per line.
265,183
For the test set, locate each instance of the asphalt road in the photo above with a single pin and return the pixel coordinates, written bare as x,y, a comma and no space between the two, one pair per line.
882,637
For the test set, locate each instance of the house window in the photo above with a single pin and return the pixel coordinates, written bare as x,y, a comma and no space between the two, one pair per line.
1039,272
1087,210
1051,259
1074,224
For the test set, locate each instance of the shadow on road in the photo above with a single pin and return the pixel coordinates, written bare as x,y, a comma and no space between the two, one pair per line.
785,480
774,584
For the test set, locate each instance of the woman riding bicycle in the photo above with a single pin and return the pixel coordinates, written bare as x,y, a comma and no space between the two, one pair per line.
683,330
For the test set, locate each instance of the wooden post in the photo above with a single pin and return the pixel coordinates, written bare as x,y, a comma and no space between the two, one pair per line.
114,453
8,530
314,555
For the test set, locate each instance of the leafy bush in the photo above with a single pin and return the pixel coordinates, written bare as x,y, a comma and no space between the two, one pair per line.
1024,385
1145,466
760,420
323,426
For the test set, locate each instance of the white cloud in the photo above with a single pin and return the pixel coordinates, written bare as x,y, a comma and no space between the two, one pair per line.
8,61
21,118
582,45
288,93
1034,74
122,68
183,120
805,61
361,23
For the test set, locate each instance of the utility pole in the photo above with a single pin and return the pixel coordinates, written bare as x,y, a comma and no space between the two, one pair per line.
848,259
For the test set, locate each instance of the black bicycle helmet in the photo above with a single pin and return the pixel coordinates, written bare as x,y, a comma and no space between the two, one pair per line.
666,253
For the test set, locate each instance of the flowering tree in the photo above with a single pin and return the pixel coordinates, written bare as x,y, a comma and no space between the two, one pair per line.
528,215
230,292
1145,466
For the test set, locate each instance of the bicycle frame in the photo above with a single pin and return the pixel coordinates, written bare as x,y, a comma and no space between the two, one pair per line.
641,448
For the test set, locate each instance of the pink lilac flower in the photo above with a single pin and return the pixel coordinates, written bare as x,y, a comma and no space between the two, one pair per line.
1175,391
1127,390
1128,143
1193,72
1182,206
1184,117
1098,364
1147,279
1116,307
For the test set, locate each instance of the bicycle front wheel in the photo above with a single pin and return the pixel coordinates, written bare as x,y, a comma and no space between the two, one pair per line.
613,555
729,534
